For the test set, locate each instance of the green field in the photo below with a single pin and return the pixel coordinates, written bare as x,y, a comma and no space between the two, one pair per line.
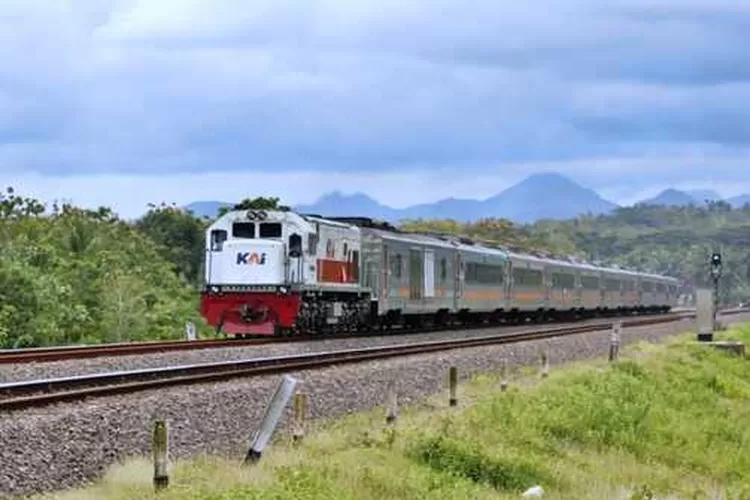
667,421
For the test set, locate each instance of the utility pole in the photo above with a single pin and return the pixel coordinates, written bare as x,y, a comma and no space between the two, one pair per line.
716,274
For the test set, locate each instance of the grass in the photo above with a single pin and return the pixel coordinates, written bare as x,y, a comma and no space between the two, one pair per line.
667,421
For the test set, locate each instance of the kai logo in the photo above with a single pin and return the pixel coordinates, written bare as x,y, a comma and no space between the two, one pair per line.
251,258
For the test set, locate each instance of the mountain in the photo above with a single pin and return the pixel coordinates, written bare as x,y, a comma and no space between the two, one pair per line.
207,208
739,201
539,196
672,197
545,196
357,204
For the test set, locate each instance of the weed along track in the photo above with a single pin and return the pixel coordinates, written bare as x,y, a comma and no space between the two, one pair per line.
220,419
26,394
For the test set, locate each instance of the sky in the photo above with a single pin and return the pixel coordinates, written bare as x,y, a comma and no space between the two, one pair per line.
126,102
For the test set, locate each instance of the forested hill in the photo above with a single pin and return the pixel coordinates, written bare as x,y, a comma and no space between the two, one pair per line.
69,275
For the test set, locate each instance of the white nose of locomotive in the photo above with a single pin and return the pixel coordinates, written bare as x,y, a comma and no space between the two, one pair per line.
256,262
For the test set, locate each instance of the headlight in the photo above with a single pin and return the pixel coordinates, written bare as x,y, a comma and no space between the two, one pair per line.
215,289
283,290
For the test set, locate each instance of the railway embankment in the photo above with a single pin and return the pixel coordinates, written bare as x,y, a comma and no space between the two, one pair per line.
666,420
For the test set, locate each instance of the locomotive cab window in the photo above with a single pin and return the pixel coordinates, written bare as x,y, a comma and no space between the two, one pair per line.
218,237
270,230
245,230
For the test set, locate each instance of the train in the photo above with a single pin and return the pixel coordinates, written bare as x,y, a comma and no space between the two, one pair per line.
272,272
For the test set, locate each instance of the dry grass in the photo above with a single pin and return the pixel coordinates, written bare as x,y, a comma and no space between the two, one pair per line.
668,421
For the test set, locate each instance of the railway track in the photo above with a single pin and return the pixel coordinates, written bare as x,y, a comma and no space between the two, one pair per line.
48,354
27,394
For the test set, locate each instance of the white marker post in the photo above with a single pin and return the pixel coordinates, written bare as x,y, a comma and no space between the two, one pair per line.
271,419
614,342
190,332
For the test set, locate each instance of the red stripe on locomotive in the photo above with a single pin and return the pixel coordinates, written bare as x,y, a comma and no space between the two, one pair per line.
337,271
261,311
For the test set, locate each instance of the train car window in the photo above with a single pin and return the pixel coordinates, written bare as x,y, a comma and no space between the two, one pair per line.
660,288
646,286
218,237
346,251
484,273
471,273
270,230
244,230
561,280
396,265
330,248
612,285
590,282
443,269
629,286
312,244
527,277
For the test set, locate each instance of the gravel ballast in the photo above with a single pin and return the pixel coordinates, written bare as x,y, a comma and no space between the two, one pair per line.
67,368
62,446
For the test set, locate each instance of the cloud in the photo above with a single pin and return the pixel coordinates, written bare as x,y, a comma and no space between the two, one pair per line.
632,90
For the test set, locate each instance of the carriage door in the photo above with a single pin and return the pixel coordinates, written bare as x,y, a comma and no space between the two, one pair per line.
416,274
385,270
429,273
458,279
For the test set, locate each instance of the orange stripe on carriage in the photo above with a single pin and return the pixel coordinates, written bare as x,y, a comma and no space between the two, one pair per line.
483,295
337,271
527,296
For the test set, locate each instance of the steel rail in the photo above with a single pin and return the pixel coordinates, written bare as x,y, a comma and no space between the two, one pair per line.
26,394
61,353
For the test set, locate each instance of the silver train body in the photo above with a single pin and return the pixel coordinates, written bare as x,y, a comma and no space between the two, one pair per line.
283,272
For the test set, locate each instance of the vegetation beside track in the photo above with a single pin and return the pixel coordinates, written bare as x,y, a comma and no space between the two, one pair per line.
72,276
666,419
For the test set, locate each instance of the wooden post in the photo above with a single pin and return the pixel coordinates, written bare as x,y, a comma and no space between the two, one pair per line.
300,409
503,375
271,419
614,342
453,385
160,450
545,364
391,412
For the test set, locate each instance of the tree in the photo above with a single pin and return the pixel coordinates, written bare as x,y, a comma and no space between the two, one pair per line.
179,236
259,203
70,275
